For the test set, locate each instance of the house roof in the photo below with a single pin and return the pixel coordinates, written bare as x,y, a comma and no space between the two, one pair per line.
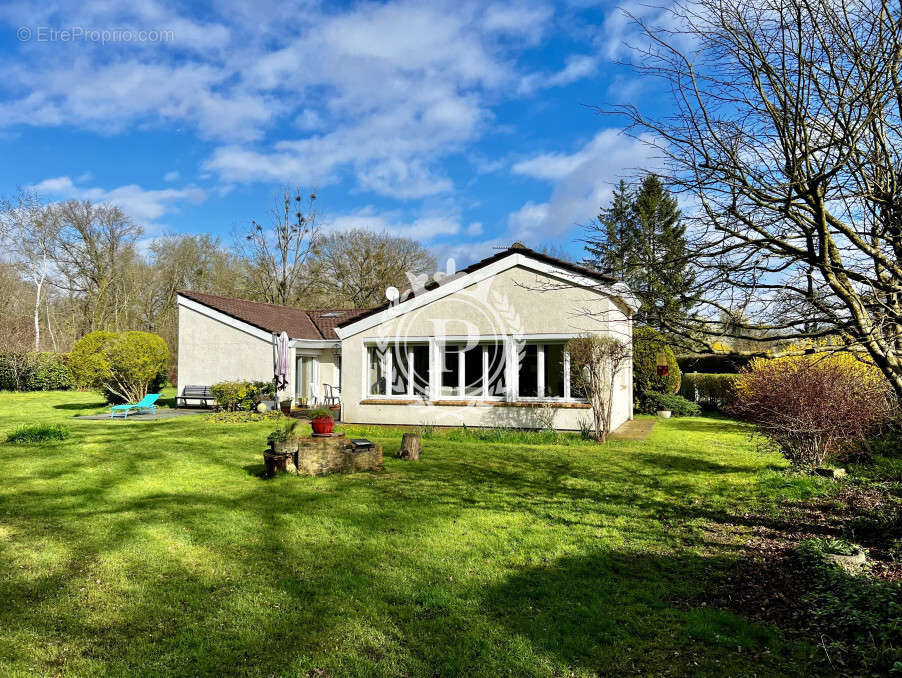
296,322
321,324
516,248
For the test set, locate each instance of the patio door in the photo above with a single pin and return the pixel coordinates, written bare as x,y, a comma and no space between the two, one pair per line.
306,374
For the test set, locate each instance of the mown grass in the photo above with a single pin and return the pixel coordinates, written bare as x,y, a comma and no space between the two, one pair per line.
155,548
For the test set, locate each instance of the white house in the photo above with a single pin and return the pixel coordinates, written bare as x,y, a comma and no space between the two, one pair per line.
483,346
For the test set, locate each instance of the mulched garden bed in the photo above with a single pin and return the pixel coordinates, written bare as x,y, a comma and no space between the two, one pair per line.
771,583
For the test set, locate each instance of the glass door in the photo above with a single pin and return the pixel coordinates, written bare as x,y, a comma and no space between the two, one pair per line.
305,380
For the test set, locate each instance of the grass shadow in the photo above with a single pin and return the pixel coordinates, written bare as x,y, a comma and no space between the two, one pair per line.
81,405
594,610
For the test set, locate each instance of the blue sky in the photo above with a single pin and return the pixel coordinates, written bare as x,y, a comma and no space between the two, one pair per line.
463,125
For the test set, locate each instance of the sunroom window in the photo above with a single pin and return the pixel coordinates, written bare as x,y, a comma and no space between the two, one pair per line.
408,365
473,371
376,364
554,371
529,371
543,371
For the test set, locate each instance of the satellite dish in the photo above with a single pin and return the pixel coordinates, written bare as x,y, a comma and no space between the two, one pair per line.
392,293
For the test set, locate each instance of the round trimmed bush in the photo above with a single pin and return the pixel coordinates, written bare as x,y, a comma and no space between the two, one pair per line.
647,343
125,366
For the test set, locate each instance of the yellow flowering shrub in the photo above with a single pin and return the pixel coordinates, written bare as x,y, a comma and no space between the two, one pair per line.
813,405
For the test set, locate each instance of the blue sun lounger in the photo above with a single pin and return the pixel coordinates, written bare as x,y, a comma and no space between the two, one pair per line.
146,405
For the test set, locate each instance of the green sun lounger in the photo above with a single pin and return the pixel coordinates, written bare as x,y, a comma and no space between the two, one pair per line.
147,404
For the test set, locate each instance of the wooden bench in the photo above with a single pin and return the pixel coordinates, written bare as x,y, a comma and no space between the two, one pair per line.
201,393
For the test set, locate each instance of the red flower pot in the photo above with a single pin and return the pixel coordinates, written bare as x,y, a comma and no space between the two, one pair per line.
323,425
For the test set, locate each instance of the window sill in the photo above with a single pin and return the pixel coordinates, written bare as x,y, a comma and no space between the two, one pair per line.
476,403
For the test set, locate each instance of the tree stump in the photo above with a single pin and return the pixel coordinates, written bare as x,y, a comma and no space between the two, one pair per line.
411,446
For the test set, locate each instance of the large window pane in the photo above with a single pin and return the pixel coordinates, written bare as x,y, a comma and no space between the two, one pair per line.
400,371
376,370
529,371
473,371
554,370
497,380
451,371
420,370
576,388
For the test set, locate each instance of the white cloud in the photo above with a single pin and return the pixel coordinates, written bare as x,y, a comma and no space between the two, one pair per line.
620,33
142,205
171,176
581,181
423,228
380,93
578,66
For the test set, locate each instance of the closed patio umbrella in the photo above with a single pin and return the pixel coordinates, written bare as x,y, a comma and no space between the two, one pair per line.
280,373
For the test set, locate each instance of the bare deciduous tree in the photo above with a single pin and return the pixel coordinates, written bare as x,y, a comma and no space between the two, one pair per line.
595,363
353,268
787,135
92,248
277,254
31,230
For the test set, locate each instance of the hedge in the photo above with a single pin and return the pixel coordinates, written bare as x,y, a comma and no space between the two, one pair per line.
719,363
711,391
35,371
647,343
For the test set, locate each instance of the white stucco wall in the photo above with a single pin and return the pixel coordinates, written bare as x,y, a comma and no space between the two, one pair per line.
211,351
510,304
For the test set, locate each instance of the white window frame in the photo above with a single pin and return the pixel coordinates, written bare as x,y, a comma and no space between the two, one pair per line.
461,389
508,345
388,365
540,375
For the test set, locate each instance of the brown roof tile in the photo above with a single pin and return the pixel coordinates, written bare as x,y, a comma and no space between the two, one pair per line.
298,323
327,321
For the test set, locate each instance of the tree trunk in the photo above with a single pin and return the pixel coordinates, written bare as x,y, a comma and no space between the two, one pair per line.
411,446
38,284
49,328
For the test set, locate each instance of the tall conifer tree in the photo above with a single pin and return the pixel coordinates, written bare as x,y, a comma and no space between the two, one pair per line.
640,239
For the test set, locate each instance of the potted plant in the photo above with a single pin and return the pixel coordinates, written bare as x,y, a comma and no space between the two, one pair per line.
321,421
285,406
282,440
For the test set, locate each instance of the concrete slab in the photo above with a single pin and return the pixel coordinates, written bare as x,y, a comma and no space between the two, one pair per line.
637,429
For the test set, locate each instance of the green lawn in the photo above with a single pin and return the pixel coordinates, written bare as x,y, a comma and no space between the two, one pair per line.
155,548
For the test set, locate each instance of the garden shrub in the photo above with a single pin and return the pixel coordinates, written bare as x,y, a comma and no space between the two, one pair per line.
124,366
711,391
652,401
35,371
647,343
38,433
234,396
814,405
